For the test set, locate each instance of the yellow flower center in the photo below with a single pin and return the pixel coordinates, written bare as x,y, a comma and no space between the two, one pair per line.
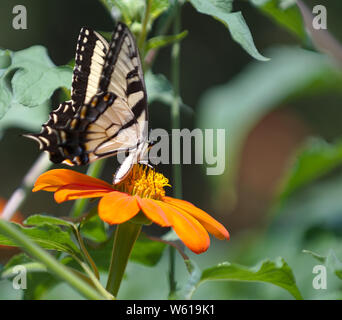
144,182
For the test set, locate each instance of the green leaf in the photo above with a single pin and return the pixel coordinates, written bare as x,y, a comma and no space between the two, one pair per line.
37,77
234,21
241,34
48,236
38,220
315,160
18,259
133,10
30,79
38,284
146,251
331,261
277,273
288,16
30,119
94,229
162,41
5,60
216,8
160,89
101,254
158,7
130,10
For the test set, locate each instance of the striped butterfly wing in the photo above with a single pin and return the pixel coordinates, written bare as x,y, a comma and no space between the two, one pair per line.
96,131
117,126
123,75
90,56
48,138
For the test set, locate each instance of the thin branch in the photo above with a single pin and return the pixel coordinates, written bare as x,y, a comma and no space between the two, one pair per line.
19,196
170,243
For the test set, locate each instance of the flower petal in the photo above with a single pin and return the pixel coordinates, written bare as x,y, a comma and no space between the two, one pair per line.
72,192
117,207
54,179
189,230
153,211
213,226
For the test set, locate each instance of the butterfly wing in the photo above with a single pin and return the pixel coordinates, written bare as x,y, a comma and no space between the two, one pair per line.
48,137
120,127
96,131
123,75
90,56
109,104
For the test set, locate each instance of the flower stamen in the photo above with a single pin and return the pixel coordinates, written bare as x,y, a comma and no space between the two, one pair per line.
144,182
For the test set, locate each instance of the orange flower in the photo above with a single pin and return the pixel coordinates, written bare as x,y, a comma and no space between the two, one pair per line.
143,190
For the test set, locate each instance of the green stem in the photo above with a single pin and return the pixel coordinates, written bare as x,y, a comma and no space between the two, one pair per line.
175,108
143,34
51,263
125,236
94,170
86,253
161,28
175,124
95,281
172,281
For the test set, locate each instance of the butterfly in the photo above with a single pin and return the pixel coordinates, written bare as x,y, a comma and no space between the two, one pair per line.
107,114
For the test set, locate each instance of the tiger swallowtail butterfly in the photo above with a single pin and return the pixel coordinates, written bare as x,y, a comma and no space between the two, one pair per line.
107,114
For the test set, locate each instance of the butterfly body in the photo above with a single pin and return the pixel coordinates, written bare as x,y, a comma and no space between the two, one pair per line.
107,114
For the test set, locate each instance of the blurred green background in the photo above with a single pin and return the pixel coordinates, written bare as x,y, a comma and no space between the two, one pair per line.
283,120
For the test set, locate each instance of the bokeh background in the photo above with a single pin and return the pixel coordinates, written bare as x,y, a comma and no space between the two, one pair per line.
271,111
